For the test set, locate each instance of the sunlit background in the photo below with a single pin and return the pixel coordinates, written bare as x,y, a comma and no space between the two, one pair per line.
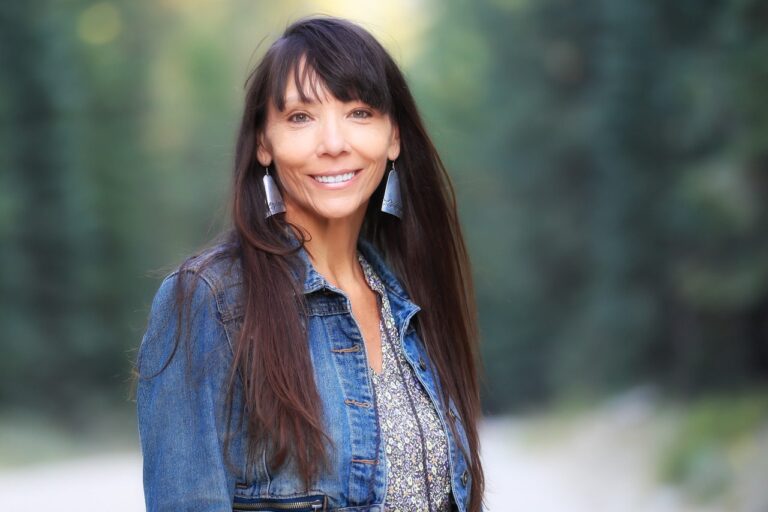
610,159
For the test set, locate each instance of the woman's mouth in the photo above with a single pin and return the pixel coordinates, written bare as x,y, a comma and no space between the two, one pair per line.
336,179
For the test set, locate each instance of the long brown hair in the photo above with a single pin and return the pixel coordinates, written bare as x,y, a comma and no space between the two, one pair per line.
425,249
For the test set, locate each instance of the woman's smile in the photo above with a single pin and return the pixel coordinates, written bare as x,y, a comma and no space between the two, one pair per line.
336,180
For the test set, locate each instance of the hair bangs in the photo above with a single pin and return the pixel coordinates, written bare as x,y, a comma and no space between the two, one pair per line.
352,68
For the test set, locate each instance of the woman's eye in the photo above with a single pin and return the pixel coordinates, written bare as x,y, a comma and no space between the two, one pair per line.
298,117
361,114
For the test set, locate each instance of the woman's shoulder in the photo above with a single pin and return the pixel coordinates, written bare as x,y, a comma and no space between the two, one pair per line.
212,276
218,265
199,299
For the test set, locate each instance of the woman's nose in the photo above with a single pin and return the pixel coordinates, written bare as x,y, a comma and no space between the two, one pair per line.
332,138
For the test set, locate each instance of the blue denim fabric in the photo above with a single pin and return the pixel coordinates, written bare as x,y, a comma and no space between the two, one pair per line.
183,424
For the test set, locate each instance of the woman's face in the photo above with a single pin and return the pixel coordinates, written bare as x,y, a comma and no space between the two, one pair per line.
330,155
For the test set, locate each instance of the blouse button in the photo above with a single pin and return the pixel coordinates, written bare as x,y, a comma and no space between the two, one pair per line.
422,364
464,477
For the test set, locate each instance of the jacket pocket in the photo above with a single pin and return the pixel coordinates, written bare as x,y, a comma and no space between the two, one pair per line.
312,503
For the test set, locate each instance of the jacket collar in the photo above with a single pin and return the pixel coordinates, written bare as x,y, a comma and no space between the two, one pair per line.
314,281
402,306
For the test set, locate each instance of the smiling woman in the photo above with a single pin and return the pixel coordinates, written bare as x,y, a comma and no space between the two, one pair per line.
289,367
331,153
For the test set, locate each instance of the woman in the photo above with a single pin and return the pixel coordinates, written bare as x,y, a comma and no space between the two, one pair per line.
288,367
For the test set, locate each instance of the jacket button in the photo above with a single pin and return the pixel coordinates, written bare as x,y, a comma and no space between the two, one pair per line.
464,478
422,364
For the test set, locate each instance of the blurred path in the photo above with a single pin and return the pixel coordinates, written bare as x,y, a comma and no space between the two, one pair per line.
605,459
106,482
601,461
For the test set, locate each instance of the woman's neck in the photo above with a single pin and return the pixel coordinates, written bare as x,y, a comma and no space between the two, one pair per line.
333,247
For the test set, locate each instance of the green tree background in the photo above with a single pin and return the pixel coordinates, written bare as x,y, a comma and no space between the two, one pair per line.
610,158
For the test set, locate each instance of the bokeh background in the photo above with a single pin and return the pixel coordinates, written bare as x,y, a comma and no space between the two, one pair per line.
611,163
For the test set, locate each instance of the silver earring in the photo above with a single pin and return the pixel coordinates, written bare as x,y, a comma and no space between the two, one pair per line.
275,203
392,202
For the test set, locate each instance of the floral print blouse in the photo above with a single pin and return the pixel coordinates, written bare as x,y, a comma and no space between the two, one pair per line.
406,486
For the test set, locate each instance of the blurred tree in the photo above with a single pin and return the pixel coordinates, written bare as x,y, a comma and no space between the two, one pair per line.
72,96
610,158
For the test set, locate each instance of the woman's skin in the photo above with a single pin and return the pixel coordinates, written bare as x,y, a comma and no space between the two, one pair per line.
329,137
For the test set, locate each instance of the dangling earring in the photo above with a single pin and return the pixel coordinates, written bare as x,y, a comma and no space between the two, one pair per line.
275,203
392,202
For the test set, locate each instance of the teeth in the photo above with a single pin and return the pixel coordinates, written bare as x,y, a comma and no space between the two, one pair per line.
335,179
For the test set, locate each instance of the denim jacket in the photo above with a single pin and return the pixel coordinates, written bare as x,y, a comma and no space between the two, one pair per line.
183,426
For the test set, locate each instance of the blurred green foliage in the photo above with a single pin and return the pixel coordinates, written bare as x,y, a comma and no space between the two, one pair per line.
612,163
610,159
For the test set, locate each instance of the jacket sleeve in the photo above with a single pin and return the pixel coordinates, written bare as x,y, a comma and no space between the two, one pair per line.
180,407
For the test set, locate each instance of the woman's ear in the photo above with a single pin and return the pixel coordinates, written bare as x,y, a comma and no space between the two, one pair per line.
394,146
263,155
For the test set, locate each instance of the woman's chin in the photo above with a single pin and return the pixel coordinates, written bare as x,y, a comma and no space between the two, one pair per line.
338,212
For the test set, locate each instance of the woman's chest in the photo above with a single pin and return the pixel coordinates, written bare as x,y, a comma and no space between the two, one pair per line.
356,474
